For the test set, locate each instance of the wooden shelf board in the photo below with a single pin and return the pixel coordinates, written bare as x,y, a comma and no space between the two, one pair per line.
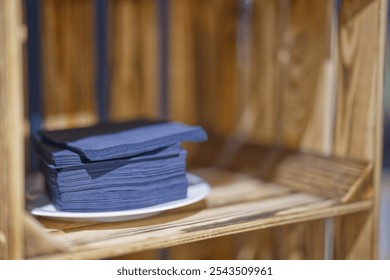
237,203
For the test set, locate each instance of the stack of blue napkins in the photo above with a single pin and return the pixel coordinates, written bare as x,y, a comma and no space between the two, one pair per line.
116,166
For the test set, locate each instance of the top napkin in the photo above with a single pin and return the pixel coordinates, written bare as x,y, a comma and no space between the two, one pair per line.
117,140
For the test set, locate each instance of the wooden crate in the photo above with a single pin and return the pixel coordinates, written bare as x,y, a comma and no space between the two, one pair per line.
290,92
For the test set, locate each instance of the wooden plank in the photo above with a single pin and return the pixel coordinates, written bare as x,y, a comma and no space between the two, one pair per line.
210,249
182,87
305,104
11,131
260,42
237,203
133,50
37,241
358,128
329,177
169,230
203,63
144,255
308,52
68,63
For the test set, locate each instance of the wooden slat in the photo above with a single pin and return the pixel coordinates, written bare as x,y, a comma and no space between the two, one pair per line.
308,52
182,87
37,241
210,249
202,63
133,50
68,63
237,203
11,131
144,255
358,128
260,44
98,241
330,177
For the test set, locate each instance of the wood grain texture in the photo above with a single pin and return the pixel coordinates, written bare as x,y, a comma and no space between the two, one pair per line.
359,120
281,89
68,63
182,87
133,50
307,53
254,205
210,249
327,176
290,105
11,130
260,43
144,255
241,200
37,241
203,75
202,64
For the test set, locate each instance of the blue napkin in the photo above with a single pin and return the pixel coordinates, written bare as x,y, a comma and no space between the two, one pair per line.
111,141
116,166
57,157
136,184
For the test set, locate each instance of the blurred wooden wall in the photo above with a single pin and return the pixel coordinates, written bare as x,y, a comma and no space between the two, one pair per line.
69,54
133,56
68,63
260,71
235,69
264,71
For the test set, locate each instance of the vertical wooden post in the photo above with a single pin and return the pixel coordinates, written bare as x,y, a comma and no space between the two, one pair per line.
359,120
11,131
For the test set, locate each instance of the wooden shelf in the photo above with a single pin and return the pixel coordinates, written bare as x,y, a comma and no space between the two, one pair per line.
285,188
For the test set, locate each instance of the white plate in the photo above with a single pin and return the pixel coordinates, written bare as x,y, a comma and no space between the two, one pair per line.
197,190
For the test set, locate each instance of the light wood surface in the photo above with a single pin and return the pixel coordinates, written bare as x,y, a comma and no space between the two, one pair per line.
281,88
36,241
220,216
133,50
202,63
242,199
11,131
203,76
292,75
68,63
359,120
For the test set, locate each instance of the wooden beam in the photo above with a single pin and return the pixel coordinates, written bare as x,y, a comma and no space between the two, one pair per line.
359,119
11,131
37,241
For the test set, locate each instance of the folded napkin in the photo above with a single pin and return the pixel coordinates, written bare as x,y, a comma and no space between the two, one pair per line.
116,166
57,157
110,141
121,185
